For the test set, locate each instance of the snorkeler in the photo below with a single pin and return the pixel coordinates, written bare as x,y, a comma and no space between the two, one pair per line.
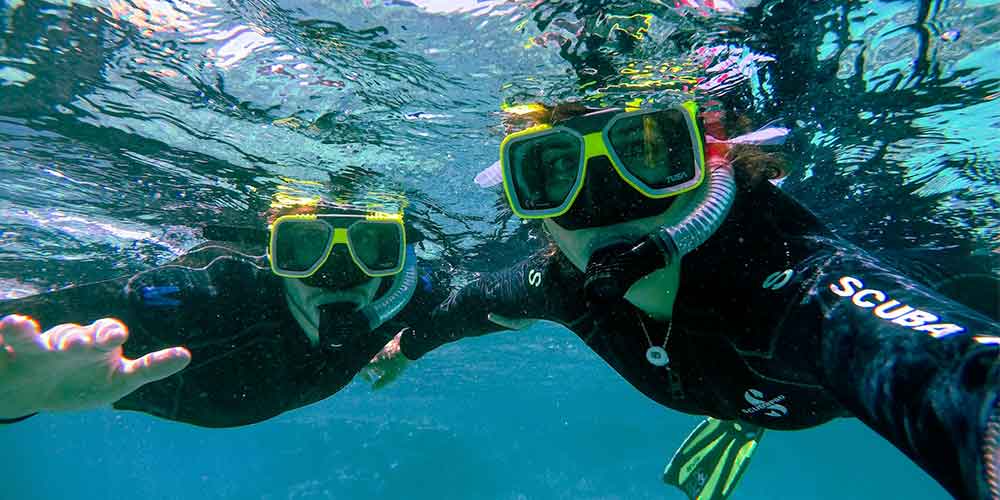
714,293
265,331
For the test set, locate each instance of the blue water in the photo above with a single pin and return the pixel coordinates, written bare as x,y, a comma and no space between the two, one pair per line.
125,126
532,415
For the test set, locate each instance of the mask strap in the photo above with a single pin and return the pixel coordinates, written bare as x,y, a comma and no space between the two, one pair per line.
490,177
766,136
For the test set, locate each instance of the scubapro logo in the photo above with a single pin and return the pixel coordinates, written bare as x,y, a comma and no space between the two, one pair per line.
890,309
770,407
778,279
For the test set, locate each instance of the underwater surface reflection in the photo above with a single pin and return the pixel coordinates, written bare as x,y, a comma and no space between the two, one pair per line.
127,125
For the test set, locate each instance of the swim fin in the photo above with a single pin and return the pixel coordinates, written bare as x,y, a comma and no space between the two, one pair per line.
712,459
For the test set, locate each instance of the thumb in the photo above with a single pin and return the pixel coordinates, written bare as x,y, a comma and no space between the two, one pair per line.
154,366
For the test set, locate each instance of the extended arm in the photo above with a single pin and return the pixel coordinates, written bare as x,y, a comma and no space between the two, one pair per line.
921,370
69,366
494,302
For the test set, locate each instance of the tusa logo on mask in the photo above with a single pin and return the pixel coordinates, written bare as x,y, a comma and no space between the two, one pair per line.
890,309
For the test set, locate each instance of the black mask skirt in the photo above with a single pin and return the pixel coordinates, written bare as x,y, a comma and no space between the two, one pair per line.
606,199
338,273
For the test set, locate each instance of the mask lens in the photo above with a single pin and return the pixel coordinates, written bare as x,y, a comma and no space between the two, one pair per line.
378,246
300,245
655,148
544,170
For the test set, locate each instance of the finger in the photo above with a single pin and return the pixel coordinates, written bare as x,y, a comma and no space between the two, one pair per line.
53,337
374,373
510,323
155,366
75,338
110,334
19,329
78,341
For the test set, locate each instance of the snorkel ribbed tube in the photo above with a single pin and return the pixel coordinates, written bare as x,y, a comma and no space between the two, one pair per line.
404,285
711,205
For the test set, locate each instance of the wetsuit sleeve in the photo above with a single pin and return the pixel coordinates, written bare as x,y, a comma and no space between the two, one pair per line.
82,304
921,370
149,298
517,294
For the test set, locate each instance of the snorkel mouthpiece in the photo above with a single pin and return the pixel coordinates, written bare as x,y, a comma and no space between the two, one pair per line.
340,322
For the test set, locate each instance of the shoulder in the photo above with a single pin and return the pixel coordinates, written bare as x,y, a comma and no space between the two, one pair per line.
212,252
211,267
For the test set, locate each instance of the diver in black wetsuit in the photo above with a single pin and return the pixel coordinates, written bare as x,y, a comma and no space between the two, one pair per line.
268,331
727,298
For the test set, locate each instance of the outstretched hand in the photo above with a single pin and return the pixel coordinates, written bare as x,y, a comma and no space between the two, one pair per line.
71,367
387,365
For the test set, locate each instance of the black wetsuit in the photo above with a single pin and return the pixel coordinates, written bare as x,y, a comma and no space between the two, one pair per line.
775,324
250,358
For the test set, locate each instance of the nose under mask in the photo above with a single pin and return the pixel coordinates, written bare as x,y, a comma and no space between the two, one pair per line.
606,199
338,273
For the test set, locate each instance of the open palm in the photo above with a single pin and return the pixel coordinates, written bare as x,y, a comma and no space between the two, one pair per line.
73,367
